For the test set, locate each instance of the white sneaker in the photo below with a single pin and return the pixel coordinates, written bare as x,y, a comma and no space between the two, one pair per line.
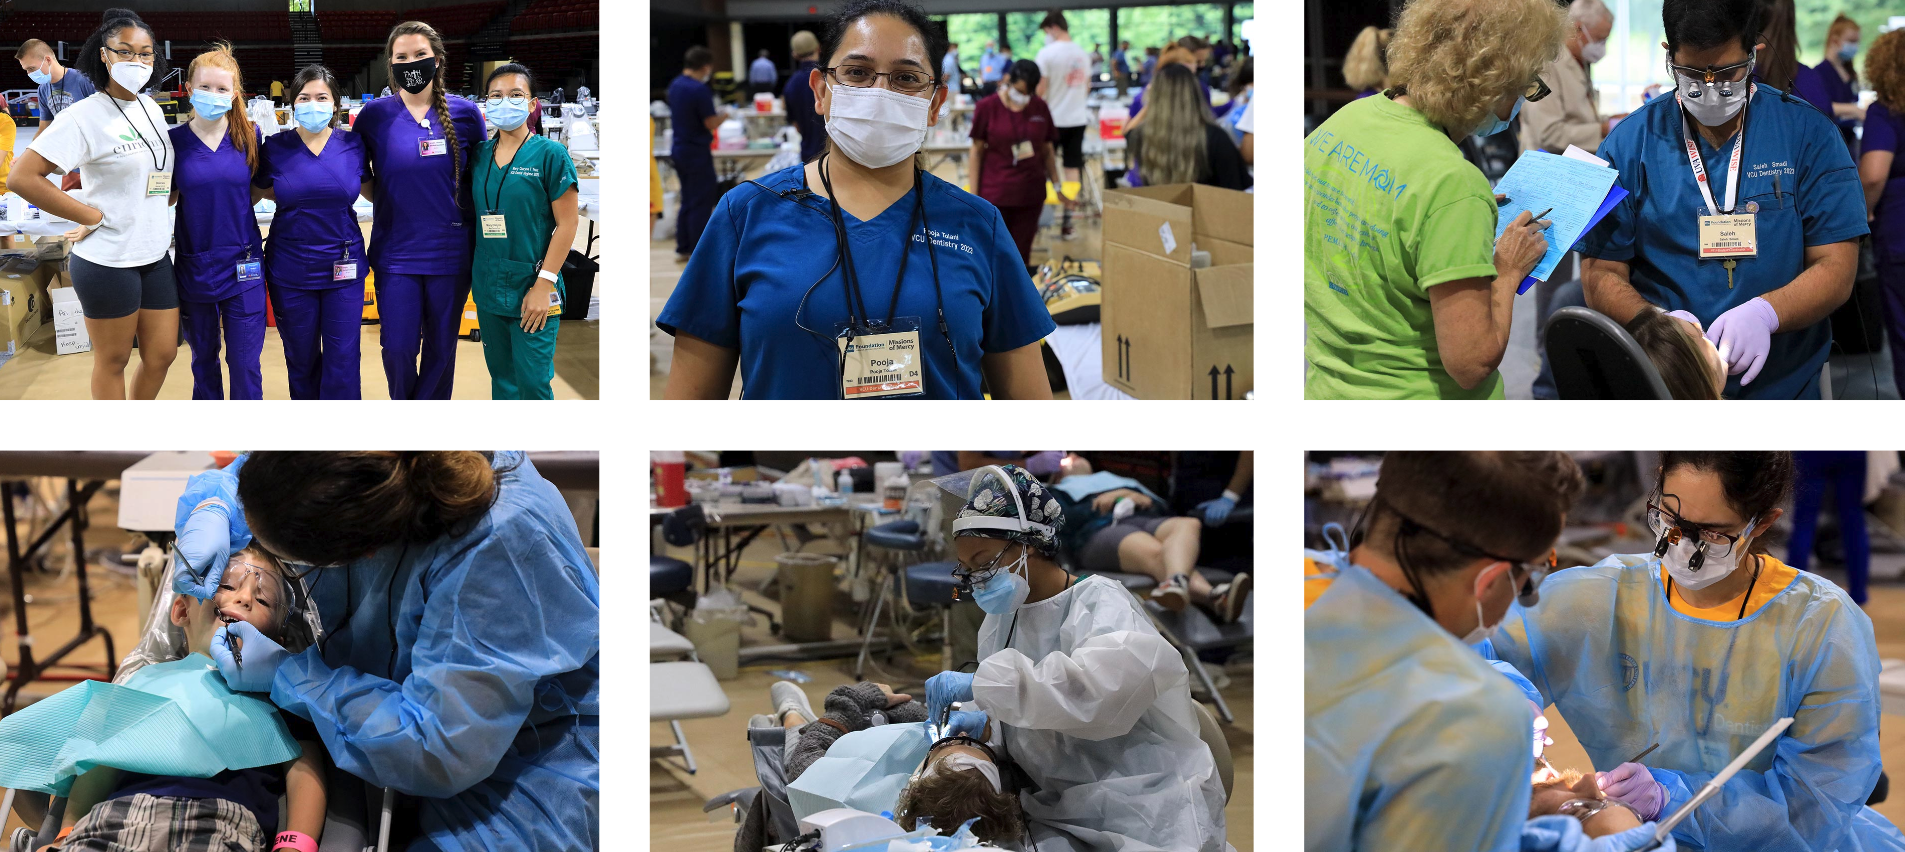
1173,593
788,695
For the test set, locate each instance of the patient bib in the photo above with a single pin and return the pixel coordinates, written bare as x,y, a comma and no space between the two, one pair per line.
864,770
173,719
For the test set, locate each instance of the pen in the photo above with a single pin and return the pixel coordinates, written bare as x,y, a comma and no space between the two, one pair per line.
1543,214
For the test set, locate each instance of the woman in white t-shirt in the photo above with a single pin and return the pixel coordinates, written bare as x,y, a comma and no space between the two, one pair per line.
122,271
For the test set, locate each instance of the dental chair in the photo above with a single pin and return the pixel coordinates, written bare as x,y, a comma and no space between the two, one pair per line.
896,538
926,584
1595,358
681,687
349,800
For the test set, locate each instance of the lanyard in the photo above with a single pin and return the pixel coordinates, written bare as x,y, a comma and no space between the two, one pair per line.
1700,168
157,165
494,206
857,311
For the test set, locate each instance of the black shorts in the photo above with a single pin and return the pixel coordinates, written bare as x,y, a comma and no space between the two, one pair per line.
1071,146
111,292
1100,552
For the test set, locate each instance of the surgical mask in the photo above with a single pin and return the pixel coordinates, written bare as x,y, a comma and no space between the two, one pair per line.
1592,51
1500,124
1014,97
313,116
210,105
1713,105
39,78
507,113
1712,569
416,76
1481,631
132,76
1006,590
1848,50
966,761
876,127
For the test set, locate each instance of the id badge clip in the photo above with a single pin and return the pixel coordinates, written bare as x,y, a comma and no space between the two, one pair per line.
1728,237
881,361
345,269
494,227
158,183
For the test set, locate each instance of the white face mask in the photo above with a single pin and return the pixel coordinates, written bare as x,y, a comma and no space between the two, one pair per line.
1014,97
1592,51
131,75
1481,631
876,127
1712,568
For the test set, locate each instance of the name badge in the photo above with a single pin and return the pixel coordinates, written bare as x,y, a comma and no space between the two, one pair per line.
433,147
882,365
158,183
344,271
555,303
493,227
249,270
1021,151
1728,237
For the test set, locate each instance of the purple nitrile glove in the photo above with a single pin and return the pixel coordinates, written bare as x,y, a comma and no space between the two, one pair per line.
1744,335
1633,785
1687,317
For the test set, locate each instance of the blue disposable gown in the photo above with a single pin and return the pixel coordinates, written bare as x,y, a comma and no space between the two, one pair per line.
1627,670
464,671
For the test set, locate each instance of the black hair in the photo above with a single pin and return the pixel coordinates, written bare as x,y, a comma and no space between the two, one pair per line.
850,13
1246,75
505,70
317,73
1703,24
110,23
697,58
1753,482
1025,71
1054,18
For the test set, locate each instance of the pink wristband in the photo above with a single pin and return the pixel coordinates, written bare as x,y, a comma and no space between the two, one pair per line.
294,840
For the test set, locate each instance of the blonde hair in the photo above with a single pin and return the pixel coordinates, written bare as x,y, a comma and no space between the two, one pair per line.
1456,58
1365,66
237,123
1885,69
1174,149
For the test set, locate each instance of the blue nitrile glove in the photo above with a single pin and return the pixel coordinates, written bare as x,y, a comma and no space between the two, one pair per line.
258,657
1217,511
1564,834
942,690
972,723
210,525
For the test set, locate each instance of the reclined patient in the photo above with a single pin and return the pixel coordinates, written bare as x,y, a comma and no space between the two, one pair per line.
1148,541
1687,361
114,811
1553,790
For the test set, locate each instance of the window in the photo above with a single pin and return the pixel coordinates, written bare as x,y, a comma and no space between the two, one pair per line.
1155,26
971,32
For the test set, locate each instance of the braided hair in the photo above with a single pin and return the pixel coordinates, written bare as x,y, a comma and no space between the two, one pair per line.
237,123
438,102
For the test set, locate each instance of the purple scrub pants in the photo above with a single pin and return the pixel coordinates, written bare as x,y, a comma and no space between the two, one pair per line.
420,312
242,319
321,333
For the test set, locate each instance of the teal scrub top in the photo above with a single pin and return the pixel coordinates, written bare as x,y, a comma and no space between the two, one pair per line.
1656,229
505,268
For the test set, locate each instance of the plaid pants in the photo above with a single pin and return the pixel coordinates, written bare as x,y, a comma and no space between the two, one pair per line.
142,823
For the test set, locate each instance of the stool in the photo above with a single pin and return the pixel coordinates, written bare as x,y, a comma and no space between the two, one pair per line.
899,537
682,690
932,584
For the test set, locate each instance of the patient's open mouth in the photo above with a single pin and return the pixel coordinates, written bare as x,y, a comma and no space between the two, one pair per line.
227,617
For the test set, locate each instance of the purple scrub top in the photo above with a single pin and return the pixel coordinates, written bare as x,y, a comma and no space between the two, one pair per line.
216,229
315,226
1884,130
415,229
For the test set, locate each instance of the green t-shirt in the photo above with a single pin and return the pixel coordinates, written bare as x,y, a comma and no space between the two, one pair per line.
1390,209
505,268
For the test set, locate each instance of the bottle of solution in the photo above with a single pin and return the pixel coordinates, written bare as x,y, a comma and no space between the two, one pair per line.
896,486
845,481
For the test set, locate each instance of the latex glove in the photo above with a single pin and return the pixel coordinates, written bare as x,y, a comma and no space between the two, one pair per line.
210,526
1633,784
257,661
1744,335
1217,511
1683,316
1628,841
911,458
942,690
1043,463
972,723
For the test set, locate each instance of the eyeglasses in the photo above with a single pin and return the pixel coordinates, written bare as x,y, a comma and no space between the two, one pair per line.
860,77
1536,91
966,576
1534,572
146,57
1670,528
1710,76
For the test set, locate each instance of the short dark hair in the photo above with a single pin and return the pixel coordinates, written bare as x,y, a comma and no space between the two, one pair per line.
1025,71
849,14
1703,24
1506,503
1753,482
1054,18
110,24
314,73
697,57
506,70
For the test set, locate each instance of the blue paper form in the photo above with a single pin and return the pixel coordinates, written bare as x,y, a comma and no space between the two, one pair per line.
1578,192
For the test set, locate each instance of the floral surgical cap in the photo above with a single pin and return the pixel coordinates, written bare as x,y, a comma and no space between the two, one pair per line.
1040,508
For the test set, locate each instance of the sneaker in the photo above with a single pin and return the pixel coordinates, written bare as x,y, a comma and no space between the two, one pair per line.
681,259
1067,233
1174,593
787,695
1227,600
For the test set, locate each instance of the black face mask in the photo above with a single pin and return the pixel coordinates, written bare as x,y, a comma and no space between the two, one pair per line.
416,76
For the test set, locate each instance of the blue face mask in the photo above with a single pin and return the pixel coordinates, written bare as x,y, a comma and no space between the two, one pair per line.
314,116
507,113
210,105
39,78
1848,50
1498,125
1005,591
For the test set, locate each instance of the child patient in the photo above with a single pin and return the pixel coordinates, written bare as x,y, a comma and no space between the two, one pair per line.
115,811
1688,363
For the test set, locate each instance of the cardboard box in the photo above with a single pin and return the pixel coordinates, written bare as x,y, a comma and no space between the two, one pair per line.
22,304
69,324
1170,331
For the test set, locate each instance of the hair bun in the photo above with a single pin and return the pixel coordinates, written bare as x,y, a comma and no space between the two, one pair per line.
111,15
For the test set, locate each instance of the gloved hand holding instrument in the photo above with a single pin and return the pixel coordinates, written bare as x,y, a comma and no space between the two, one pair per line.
211,527
942,690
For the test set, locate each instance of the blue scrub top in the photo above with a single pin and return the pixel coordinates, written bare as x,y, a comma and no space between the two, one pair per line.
1819,201
690,102
423,224
315,226
746,300
216,228
799,98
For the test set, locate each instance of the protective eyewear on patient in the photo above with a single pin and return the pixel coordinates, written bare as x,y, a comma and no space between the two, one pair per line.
1669,528
905,81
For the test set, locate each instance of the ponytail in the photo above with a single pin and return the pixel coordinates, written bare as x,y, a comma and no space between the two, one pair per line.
237,124
332,508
